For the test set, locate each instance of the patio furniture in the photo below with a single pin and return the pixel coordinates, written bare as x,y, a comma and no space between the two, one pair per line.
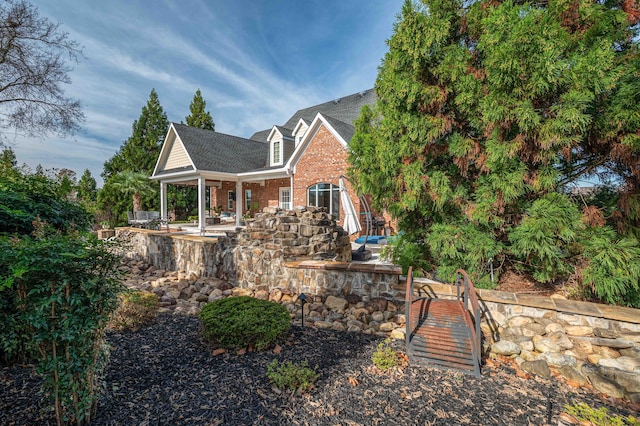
142,218
153,220
131,218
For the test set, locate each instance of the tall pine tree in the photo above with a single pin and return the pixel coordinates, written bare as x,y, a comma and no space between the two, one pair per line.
184,199
488,112
87,187
198,116
140,151
138,154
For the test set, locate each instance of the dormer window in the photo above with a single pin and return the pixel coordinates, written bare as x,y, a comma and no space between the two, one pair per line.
299,131
276,152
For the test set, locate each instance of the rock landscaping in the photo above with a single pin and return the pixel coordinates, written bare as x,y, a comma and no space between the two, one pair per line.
183,292
606,359
165,374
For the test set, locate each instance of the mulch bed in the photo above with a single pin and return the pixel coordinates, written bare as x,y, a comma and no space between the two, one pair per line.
163,374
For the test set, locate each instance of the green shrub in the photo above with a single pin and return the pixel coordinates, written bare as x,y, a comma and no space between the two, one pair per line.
60,290
385,357
543,241
613,270
405,249
292,376
136,309
600,417
25,198
464,246
58,287
238,322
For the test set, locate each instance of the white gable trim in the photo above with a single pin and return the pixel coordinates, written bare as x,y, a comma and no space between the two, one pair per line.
317,122
301,123
274,129
165,151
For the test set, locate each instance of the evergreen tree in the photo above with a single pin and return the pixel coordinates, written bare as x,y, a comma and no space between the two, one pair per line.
184,199
8,160
486,107
199,117
87,191
138,154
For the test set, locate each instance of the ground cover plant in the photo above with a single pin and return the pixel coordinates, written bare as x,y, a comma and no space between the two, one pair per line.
295,377
244,322
385,356
584,413
136,308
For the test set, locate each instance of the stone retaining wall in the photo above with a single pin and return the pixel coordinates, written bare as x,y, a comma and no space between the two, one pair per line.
584,342
202,256
301,250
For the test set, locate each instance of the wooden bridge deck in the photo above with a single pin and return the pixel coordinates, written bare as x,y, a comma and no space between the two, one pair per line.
441,332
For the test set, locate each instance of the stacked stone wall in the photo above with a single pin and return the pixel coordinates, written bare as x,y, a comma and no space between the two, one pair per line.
586,343
277,236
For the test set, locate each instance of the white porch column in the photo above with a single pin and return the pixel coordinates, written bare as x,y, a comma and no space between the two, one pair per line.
291,193
239,200
202,197
163,201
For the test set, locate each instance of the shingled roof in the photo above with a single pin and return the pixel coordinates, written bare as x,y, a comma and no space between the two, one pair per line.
220,152
344,110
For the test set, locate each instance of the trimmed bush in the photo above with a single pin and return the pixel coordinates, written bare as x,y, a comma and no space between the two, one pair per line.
136,309
239,322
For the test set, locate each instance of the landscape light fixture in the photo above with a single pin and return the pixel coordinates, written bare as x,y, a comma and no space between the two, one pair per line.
303,299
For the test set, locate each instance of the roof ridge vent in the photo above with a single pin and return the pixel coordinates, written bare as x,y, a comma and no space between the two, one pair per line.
361,94
337,101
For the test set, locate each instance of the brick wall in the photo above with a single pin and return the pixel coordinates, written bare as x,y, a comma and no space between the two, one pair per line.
267,195
324,160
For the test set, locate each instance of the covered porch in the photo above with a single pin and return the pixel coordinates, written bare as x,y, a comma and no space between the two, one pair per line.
238,194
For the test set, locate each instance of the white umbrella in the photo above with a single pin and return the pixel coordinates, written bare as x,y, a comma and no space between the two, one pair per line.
351,222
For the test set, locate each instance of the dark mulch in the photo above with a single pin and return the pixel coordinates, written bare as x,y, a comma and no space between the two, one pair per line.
162,374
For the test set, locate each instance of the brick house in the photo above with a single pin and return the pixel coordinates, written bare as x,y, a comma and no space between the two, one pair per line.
297,163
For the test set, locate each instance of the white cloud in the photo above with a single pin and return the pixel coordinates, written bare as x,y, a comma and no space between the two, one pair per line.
256,63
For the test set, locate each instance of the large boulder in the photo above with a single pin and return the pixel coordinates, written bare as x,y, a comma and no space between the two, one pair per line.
505,347
334,303
538,367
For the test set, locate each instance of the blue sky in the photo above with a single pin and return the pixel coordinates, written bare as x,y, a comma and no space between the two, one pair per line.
255,62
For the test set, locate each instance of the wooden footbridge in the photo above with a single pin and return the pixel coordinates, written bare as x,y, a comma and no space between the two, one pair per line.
444,333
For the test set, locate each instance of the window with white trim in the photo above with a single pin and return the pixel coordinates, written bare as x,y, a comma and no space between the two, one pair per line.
230,198
247,198
276,154
285,198
325,195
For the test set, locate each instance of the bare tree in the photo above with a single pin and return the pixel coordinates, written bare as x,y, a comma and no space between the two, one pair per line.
33,68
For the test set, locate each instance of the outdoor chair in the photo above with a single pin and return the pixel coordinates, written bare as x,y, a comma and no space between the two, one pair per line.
142,218
153,219
131,219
